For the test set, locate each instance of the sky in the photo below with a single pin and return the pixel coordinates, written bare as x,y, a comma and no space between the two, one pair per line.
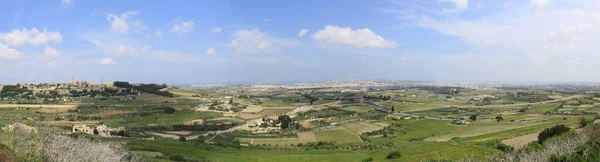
248,41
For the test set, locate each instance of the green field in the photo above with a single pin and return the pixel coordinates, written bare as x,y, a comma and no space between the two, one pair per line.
337,135
148,154
417,130
358,109
416,152
161,119
510,133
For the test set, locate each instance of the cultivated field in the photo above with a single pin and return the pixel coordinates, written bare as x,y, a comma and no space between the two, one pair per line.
338,135
275,111
521,141
480,129
360,127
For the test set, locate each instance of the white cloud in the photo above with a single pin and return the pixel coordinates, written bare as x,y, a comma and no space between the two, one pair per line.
50,52
211,51
538,4
119,23
33,36
459,6
182,28
108,61
217,30
332,35
255,41
9,53
67,3
267,20
116,44
302,32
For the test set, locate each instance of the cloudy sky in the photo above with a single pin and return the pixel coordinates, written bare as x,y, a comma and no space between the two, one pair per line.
195,42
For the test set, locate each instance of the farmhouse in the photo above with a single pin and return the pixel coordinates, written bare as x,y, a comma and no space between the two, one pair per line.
101,130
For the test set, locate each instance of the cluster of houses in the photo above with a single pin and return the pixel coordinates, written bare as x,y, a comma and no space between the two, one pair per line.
101,130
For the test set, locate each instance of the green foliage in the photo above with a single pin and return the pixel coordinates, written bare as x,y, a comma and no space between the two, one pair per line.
169,110
497,144
324,113
285,121
369,159
394,155
473,117
585,121
551,132
177,158
534,145
587,152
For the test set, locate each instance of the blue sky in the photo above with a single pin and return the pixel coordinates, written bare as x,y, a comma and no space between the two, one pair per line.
200,42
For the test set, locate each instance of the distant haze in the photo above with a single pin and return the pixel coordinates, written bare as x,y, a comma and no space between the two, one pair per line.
200,42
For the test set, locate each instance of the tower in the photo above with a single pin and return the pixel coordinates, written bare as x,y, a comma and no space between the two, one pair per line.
72,80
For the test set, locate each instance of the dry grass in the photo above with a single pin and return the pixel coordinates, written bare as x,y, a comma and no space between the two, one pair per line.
519,142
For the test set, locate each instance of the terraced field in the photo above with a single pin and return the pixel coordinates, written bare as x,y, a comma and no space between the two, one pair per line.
338,135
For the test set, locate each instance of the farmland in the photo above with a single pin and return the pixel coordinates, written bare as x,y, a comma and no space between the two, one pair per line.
420,122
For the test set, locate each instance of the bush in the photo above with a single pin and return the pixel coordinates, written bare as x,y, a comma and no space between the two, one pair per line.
394,155
585,121
177,158
551,132
169,110
369,159
497,144
534,145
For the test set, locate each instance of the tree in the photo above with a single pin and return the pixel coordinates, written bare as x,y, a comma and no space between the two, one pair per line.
551,132
394,155
498,118
169,110
393,110
473,117
285,121
231,101
182,139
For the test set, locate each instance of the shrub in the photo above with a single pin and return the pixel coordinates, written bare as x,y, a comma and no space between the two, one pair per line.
551,132
394,155
534,145
585,121
169,110
177,158
497,144
369,159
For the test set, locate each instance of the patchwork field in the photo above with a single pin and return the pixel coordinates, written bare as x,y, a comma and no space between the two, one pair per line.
303,137
480,129
338,135
358,109
360,127
275,111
